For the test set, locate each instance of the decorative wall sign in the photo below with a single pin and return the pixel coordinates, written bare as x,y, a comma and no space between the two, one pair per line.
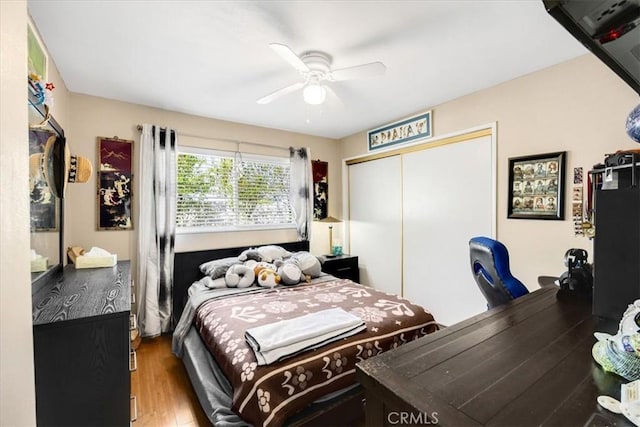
37,58
536,186
320,172
43,202
401,132
114,184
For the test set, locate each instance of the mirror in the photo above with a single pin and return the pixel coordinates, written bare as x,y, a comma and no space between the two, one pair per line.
46,146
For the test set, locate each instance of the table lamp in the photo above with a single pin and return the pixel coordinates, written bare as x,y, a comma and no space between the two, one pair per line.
331,220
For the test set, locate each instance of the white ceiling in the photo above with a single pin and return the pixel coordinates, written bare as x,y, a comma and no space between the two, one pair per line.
212,58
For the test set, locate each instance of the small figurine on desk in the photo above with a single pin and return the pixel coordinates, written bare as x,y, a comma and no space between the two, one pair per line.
620,353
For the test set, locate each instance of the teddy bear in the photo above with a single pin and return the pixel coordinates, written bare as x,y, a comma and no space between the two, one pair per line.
257,267
268,278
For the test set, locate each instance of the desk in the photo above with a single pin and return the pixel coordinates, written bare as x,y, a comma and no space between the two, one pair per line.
525,363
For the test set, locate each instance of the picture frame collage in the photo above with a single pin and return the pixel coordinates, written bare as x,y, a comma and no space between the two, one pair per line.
536,186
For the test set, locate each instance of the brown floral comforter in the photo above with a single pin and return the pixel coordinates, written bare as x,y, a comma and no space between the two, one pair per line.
268,395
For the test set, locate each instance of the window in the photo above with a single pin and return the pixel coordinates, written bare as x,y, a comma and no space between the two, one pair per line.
223,191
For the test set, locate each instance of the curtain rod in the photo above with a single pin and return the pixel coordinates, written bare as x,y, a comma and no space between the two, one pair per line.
234,141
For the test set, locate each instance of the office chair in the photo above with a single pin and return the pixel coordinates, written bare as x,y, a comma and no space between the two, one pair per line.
490,268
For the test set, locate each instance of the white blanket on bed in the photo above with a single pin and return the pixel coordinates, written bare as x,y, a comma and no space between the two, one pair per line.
276,341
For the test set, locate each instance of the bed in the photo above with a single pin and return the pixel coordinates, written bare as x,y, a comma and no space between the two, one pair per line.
314,387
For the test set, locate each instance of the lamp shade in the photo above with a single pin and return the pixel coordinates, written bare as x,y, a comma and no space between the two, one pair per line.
314,94
330,219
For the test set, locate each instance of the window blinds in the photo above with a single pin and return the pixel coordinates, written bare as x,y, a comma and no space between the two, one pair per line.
226,191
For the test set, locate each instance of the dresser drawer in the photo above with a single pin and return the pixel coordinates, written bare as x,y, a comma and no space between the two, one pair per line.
343,267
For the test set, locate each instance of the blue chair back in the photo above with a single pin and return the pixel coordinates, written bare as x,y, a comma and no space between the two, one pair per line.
490,267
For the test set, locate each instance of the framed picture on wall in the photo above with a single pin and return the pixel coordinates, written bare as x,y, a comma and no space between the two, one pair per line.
37,58
536,186
114,184
320,171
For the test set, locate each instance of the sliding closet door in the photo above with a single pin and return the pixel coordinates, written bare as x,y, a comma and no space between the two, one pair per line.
375,227
448,197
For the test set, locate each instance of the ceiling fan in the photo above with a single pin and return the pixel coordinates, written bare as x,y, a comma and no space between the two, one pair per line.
315,69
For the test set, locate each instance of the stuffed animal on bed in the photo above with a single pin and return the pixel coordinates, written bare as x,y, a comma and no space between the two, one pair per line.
239,276
308,263
268,278
260,266
290,273
268,253
250,254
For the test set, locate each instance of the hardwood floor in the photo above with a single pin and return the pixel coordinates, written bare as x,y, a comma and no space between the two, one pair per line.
162,388
164,393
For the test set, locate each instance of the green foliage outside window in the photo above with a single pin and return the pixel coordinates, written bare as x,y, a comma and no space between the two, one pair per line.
225,192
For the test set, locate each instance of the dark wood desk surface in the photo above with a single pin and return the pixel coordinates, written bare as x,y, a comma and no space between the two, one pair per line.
526,363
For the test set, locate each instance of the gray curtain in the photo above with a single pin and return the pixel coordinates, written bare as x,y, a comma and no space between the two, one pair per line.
300,190
156,229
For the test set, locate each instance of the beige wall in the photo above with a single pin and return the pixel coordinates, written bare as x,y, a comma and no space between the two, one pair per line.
93,117
17,391
579,106
17,395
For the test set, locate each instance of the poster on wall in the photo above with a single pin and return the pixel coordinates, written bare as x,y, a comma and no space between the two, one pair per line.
42,201
114,184
320,171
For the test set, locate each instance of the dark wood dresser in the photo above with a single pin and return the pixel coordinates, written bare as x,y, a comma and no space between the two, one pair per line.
526,363
81,322
342,266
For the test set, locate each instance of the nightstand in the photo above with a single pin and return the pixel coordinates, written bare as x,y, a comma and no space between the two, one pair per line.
342,266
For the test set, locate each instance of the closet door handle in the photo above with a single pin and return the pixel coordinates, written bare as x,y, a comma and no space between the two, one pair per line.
135,407
135,361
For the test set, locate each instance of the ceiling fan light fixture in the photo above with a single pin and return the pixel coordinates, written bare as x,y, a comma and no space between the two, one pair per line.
314,94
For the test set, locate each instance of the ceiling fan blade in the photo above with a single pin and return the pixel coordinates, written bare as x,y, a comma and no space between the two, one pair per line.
280,92
359,71
335,99
288,55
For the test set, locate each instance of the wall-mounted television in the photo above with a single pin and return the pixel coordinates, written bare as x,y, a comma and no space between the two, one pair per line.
608,28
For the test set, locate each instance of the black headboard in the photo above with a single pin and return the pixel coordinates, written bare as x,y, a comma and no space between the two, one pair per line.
186,270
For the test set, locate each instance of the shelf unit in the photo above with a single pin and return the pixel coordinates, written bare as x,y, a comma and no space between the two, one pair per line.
617,240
